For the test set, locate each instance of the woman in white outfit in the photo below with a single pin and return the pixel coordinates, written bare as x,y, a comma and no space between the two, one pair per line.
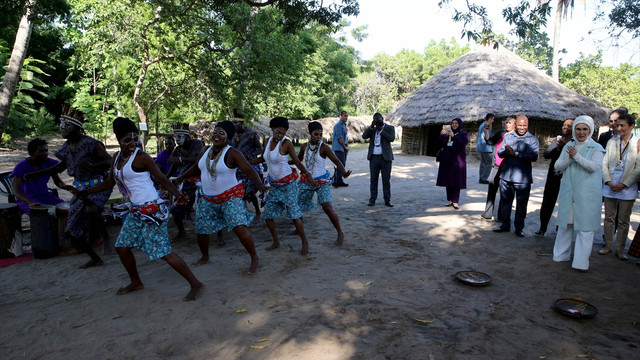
145,227
620,174
580,194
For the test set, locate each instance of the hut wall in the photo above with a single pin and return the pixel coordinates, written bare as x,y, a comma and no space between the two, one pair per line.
412,140
420,140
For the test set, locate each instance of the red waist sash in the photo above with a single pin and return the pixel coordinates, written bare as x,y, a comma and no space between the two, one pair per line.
287,179
236,191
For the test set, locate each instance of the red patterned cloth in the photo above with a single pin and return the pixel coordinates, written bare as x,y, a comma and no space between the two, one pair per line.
287,179
193,179
236,191
145,209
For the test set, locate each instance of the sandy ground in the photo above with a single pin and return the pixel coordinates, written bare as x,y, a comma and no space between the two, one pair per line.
360,301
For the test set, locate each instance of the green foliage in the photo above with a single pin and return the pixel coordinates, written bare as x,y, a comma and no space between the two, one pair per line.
527,22
26,117
386,80
200,62
624,17
614,87
360,33
535,49
373,93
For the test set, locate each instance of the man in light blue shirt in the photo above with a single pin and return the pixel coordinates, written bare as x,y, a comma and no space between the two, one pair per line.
485,150
340,146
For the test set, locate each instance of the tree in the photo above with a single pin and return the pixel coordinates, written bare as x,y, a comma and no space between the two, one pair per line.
535,49
18,54
524,19
31,10
623,18
526,23
561,11
614,87
218,47
407,70
373,94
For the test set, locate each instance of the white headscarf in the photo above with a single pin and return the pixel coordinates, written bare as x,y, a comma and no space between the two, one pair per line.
582,119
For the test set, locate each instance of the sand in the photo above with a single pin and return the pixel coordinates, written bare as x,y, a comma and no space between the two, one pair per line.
359,301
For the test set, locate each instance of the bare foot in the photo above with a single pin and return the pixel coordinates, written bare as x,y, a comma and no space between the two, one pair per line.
194,293
254,266
129,288
273,246
202,261
305,249
92,263
340,239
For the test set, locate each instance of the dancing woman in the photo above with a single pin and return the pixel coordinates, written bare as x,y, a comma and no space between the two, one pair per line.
145,227
314,154
283,196
220,203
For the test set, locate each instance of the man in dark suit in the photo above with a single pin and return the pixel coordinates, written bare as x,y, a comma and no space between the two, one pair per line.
604,138
380,157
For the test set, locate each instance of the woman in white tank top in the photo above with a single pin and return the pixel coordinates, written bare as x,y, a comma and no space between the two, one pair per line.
283,196
314,153
220,203
145,228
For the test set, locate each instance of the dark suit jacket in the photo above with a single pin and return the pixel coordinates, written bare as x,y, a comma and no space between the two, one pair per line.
604,138
387,135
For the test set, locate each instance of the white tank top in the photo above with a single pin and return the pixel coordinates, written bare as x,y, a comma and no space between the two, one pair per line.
278,164
318,166
141,187
225,177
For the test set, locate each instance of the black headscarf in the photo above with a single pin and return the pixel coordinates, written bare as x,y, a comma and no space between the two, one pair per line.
228,127
313,126
279,121
123,126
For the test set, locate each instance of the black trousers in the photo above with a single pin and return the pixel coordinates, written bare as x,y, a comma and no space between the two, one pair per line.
549,198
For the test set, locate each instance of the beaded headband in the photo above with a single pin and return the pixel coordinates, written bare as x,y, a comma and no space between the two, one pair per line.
72,121
181,131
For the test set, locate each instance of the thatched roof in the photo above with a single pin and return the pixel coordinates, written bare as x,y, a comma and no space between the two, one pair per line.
298,129
486,80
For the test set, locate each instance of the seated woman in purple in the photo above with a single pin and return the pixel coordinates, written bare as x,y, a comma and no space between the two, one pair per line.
35,192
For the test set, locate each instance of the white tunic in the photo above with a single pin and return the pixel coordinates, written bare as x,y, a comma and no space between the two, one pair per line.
278,164
141,187
225,176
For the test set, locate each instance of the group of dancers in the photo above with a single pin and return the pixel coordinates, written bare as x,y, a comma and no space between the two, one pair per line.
220,202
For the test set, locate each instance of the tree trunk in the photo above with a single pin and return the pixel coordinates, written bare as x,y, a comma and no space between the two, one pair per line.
556,42
136,100
18,54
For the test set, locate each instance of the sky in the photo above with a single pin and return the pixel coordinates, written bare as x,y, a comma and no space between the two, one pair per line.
394,25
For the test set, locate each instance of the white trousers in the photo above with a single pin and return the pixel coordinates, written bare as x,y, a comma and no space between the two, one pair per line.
581,252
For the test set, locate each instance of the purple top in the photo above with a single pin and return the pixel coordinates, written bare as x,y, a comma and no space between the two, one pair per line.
452,168
162,159
35,190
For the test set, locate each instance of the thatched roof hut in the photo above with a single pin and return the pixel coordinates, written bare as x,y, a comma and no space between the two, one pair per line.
483,81
298,129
